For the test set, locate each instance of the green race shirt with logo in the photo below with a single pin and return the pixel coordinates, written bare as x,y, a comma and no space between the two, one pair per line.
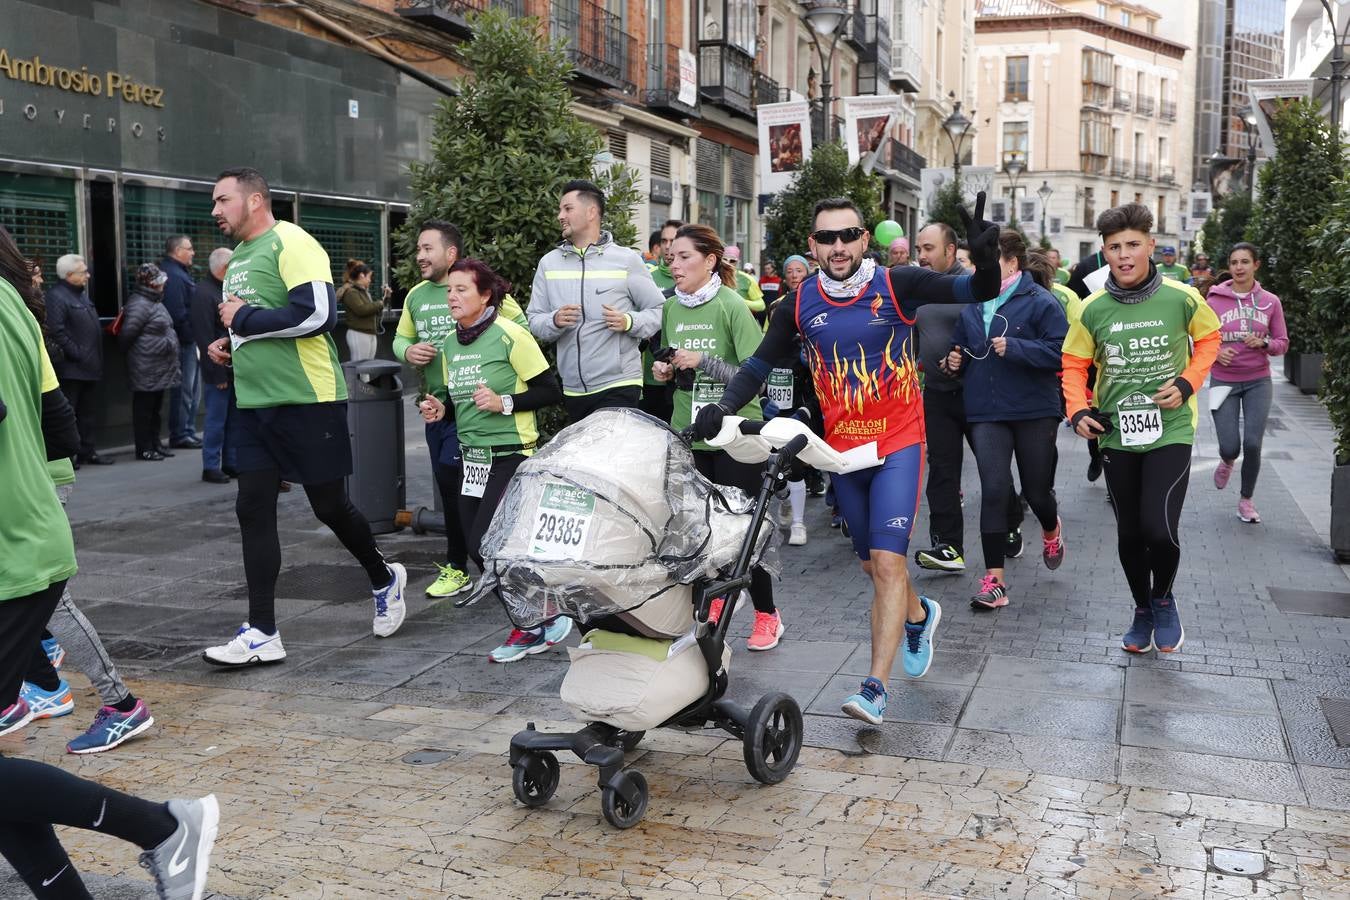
426,320
724,328
504,357
1176,272
1136,348
281,371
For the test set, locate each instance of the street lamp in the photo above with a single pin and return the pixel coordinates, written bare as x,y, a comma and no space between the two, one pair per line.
1338,63
956,125
1013,167
1249,120
1044,192
824,18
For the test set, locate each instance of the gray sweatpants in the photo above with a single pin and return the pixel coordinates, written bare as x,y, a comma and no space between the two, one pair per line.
84,649
1252,399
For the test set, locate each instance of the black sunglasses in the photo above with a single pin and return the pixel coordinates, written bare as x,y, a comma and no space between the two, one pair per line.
827,237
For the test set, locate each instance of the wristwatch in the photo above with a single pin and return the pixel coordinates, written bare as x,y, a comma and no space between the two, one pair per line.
508,405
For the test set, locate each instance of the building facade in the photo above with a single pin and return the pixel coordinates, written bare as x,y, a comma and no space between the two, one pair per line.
1310,37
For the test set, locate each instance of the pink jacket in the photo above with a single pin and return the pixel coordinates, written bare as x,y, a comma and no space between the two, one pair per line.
1260,313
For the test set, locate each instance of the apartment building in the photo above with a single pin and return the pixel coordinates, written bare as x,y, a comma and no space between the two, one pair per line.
1078,110
1310,36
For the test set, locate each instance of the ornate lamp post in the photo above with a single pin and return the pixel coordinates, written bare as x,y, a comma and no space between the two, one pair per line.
956,125
1249,121
824,19
1013,167
1044,192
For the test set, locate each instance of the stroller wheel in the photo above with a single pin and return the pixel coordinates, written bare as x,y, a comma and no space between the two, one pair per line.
535,778
629,740
773,738
624,799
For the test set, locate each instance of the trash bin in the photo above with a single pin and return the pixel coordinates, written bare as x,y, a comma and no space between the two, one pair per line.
377,485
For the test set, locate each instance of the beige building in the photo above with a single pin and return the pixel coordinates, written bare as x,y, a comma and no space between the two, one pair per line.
942,56
1085,97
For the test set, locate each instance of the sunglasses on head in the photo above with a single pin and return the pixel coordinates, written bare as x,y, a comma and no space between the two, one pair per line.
827,237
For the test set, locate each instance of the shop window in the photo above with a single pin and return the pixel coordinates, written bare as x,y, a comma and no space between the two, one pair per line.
346,232
150,215
39,213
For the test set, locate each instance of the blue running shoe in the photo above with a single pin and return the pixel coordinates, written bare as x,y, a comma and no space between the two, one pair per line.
48,704
1139,639
55,652
520,644
556,632
869,703
1168,635
917,648
112,728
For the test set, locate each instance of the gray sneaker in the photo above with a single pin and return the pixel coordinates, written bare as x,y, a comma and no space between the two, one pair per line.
179,865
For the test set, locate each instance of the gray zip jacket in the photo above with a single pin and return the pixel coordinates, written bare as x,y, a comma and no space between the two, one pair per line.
591,357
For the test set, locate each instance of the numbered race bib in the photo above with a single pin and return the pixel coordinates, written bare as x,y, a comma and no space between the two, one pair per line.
477,467
1139,420
561,522
780,388
704,393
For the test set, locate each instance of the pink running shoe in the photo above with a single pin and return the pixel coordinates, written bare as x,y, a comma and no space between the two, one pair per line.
1222,472
993,593
1053,552
1247,511
766,632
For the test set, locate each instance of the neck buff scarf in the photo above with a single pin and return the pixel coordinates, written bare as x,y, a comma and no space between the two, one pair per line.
1140,292
470,334
989,307
702,295
851,286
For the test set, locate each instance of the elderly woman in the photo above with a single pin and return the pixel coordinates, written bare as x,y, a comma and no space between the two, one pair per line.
147,336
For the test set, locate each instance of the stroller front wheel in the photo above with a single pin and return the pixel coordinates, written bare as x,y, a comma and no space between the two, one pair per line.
773,738
624,800
535,777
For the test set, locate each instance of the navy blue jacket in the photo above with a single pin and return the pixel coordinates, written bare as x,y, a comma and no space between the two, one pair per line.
178,297
1023,383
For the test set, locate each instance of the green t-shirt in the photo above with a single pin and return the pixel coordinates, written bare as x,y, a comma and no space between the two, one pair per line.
1062,275
1176,272
426,319
1137,347
724,328
36,548
282,371
504,357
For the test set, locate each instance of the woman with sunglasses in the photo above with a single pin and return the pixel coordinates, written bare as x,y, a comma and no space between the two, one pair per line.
1008,353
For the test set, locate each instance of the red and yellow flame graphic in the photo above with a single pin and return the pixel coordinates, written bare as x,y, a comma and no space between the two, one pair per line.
851,387
877,302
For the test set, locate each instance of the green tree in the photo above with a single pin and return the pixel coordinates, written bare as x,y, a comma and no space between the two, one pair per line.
502,150
826,174
1294,195
1225,226
947,207
1326,278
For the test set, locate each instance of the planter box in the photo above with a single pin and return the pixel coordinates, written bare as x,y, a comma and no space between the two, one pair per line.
1308,372
1340,513
1290,366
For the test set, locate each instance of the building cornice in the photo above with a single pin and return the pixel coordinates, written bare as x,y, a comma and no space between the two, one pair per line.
1079,22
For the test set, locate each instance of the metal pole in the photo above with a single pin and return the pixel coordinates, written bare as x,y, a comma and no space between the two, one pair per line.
1251,166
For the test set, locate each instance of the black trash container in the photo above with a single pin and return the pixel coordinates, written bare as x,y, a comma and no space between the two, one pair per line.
378,484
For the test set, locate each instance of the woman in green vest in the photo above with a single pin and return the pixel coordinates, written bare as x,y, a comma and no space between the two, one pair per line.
712,330
496,377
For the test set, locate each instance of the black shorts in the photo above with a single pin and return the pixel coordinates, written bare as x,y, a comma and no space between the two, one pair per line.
307,443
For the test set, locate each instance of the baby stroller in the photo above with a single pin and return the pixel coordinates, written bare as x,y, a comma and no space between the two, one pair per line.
612,526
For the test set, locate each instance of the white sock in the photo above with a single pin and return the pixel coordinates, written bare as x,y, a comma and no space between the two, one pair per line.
797,500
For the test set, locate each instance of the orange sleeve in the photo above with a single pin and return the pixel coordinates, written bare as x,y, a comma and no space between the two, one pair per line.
1206,351
1075,384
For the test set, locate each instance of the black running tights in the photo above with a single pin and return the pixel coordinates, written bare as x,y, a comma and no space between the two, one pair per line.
995,443
38,796
256,507
1148,490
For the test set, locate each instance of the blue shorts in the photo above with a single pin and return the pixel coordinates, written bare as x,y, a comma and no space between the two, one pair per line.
306,443
443,443
881,503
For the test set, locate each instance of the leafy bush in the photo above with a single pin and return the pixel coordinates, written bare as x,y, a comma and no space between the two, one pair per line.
826,174
1226,225
1326,279
947,206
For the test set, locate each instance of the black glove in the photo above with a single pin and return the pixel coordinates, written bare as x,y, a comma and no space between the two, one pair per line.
709,421
981,235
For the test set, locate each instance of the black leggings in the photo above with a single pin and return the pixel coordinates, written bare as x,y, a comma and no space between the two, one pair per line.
38,796
475,513
719,468
145,418
448,481
995,443
256,508
1148,490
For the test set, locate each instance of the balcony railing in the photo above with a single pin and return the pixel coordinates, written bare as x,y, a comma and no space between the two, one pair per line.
766,89
874,60
1167,109
906,161
906,68
452,16
662,89
1167,175
726,76
1143,170
1143,105
594,40
1122,101
1120,168
1092,163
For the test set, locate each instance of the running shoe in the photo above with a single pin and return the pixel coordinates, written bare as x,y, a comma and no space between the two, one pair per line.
815,483
1168,635
797,535
56,654
836,520
48,704
112,728
1139,639
249,647
1013,548
520,644
768,628
942,558
450,582
869,704
1053,552
1222,472
15,717
556,632
993,593
179,865
917,648
1247,511
1094,468
389,606
843,527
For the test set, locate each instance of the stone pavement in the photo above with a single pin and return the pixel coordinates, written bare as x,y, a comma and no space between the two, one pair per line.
1036,759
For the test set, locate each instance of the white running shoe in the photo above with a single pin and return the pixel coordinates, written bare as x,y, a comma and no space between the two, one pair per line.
249,647
797,536
389,606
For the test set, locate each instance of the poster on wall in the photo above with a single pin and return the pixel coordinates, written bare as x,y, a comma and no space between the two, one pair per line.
784,143
867,122
1267,96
